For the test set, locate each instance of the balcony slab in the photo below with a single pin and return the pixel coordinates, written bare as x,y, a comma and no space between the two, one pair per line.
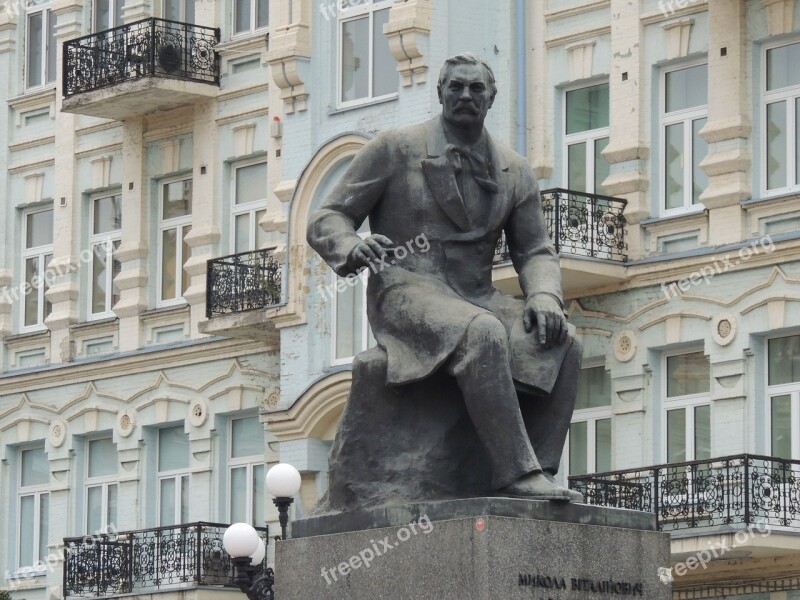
578,275
138,97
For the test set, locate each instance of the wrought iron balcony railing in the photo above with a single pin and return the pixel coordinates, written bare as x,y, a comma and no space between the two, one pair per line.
734,490
242,282
148,560
581,225
146,48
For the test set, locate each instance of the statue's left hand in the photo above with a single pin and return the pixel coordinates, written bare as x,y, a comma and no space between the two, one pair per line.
543,313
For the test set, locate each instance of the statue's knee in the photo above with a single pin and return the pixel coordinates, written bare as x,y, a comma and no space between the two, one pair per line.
488,329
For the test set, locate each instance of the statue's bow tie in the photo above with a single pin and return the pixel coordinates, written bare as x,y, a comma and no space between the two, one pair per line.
475,163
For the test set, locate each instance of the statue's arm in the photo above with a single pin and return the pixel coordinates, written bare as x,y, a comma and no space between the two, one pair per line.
332,228
532,252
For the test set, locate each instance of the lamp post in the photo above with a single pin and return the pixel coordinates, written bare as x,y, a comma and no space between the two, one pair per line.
247,549
283,482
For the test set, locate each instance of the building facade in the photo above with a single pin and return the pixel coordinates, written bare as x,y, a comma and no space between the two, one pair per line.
167,333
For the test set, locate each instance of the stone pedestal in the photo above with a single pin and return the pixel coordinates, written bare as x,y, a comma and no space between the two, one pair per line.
475,549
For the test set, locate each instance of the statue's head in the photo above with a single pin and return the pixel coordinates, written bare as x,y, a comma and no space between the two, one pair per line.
466,89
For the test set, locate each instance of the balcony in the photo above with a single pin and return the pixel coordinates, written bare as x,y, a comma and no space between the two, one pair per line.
138,68
746,508
238,288
148,561
588,231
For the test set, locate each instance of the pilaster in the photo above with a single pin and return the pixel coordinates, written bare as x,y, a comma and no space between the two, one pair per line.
408,30
134,249
290,50
728,128
626,88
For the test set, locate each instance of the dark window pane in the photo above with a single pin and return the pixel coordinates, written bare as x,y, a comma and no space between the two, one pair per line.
587,108
688,374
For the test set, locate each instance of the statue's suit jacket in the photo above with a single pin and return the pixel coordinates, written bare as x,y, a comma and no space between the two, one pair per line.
421,304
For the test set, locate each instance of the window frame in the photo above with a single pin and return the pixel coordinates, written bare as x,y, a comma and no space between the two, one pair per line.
353,13
589,137
686,116
591,416
36,491
41,253
791,389
180,224
684,402
107,239
178,476
47,45
253,208
102,481
253,20
766,98
249,463
116,8
366,330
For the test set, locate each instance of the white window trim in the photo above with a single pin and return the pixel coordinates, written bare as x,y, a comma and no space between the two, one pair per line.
765,98
365,329
681,402
46,11
253,20
249,462
179,223
250,207
37,491
103,481
177,475
116,20
791,389
96,240
590,136
686,116
40,252
590,416
351,13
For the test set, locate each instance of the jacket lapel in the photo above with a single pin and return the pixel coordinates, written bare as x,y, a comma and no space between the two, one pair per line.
441,179
498,170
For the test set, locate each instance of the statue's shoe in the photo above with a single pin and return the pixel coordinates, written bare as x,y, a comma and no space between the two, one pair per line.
575,496
539,487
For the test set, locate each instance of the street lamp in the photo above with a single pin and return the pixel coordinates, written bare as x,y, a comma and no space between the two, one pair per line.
283,482
247,549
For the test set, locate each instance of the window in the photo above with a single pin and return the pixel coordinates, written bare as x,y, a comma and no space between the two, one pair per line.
107,14
181,11
173,476
37,253
783,380
781,118
246,480
104,240
34,507
589,445
101,486
40,46
174,225
367,69
688,407
684,113
249,199
250,15
351,331
586,136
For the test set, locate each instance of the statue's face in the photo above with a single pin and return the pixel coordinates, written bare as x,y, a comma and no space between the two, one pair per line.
466,95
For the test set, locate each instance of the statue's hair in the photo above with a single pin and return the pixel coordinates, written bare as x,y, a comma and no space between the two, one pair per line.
467,58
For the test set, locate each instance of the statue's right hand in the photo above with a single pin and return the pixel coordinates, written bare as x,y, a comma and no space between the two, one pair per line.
372,250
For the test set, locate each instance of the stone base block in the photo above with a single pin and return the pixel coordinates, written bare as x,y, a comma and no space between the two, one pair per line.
567,553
